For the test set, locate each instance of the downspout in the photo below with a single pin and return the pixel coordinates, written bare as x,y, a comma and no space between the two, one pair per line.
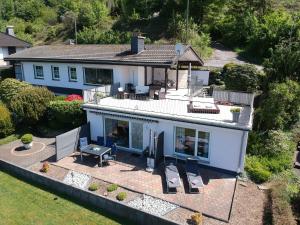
243,152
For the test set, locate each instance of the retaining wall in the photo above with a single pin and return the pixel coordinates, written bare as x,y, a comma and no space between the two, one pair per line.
113,207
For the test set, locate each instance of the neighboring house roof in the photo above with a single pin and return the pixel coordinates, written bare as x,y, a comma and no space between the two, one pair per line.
156,55
11,41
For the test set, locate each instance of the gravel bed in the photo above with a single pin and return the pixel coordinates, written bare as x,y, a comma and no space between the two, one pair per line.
152,205
76,179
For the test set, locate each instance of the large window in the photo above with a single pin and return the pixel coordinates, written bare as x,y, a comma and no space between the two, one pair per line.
38,72
127,134
192,142
98,76
117,131
55,72
72,74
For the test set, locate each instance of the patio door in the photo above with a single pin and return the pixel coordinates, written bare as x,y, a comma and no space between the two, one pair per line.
126,134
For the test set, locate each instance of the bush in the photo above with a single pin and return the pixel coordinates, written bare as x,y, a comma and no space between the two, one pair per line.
30,104
6,124
93,187
65,114
112,187
45,167
197,219
121,196
9,88
277,143
257,171
26,138
241,77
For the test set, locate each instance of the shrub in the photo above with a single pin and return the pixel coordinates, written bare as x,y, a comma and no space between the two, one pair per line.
30,104
197,219
26,138
121,196
255,143
6,125
93,187
45,167
9,88
112,187
59,98
257,171
71,98
65,114
241,77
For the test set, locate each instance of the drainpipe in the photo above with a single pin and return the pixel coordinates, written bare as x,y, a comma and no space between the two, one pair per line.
189,79
243,152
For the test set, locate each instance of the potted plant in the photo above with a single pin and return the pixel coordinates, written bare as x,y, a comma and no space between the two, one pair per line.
197,218
26,139
235,114
98,96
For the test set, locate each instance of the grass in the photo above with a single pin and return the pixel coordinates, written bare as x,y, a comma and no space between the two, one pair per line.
9,138
23,203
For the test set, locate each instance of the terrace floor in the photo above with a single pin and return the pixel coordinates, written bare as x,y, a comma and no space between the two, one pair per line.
129,171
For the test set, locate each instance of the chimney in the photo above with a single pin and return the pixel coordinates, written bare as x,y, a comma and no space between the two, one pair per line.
10,30
137,44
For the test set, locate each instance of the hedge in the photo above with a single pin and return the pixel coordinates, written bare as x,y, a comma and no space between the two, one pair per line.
65,114
6,124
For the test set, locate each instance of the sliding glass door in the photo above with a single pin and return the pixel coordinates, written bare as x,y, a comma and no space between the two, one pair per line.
127,134
192,142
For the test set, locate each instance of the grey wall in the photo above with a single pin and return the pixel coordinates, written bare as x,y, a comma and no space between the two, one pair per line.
116,208
67,143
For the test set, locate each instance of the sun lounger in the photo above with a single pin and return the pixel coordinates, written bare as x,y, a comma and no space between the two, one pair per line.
172,177
193,175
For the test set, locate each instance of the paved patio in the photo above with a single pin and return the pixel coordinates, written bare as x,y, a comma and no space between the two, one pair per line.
42,149
129,171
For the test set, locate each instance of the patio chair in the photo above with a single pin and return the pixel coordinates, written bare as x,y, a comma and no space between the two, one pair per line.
172,177
83,143
193,175
112,156
109,142
100,140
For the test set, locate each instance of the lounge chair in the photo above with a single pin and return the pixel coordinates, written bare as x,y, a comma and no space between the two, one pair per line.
172,177
193,175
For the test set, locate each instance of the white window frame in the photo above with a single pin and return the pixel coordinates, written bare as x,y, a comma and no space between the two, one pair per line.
70,77
35,72
130,130
52,70
196,143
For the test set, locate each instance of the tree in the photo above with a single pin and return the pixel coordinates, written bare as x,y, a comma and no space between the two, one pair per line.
86,17
30,104
243,77
284,62
280,108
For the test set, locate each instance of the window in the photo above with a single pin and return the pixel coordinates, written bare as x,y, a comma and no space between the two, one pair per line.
137,135
127,134
19,71
192,142
38,72
98,76
72,74
11,50
117,131
55,72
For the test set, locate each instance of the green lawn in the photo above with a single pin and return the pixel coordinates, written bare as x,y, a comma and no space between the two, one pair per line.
22,203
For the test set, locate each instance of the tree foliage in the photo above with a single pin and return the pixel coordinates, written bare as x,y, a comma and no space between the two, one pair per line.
30,104
242,77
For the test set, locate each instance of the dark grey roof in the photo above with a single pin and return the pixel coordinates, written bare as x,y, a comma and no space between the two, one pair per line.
11,41
163,55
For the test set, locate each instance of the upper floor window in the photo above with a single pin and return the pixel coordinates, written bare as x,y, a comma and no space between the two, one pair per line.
55,73
11,50
72,74
98,76
38,72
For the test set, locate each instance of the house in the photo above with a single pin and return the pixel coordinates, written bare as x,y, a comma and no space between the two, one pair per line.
9,44
147,96
67,69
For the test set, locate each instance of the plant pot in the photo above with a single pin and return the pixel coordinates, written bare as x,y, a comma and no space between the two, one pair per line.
235,116
150,163
27,146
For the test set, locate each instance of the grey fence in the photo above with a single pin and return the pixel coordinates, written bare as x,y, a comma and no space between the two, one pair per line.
240,98
67,143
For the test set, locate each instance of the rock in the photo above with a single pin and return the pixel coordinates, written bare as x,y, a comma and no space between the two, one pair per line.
152,205
77,179
243,184
262,187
